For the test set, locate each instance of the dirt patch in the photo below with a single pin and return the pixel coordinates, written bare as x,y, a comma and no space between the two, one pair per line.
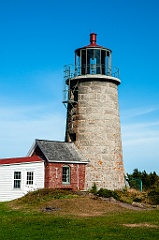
147,225
86,206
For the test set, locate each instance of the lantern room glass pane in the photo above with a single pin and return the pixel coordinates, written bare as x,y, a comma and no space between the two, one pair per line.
103,61
77,64
108,64
93,61
83,62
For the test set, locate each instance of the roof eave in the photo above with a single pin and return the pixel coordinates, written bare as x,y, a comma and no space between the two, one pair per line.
31,150
35,144
67,161
19,163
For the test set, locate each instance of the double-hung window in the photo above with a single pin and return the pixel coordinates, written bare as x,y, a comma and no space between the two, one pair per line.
30,178
17,179
66,174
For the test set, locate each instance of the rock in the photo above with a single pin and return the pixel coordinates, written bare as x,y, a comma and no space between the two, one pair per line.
137,204
50,209
110,199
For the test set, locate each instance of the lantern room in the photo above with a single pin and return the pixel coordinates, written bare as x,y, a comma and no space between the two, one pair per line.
93,59
91,62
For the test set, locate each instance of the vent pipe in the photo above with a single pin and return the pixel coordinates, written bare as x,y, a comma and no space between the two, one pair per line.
93,38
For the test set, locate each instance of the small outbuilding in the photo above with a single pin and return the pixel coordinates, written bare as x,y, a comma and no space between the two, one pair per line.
49,164
64,164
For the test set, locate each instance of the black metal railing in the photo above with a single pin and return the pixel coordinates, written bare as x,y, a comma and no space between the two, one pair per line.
72,71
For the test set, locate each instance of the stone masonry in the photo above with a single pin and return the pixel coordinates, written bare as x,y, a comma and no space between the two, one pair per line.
96,122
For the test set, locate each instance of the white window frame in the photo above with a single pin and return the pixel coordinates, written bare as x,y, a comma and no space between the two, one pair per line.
17,179
29,179
66,173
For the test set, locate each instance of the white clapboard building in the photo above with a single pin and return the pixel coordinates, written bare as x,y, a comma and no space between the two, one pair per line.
19,176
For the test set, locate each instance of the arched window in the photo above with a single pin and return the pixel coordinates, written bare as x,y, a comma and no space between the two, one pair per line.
66,174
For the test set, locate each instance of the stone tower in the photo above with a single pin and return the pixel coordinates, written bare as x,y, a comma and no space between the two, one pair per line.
93,121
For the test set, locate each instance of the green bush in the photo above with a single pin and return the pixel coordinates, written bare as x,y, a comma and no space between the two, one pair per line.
137,199
94,189
107,193
153,197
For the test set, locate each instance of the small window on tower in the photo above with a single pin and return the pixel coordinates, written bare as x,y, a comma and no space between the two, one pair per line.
73,137
76,95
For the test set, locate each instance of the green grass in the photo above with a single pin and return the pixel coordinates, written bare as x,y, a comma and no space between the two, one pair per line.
44,195
20,225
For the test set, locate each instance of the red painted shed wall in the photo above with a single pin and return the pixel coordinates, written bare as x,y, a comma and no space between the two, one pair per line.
53,176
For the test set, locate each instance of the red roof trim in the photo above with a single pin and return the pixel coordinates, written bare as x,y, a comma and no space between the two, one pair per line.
20,160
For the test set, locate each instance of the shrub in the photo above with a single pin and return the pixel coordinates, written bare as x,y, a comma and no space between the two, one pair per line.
137,199
153,197
94,189
107,193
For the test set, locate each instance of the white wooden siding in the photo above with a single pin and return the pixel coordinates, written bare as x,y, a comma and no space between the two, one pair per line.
7,191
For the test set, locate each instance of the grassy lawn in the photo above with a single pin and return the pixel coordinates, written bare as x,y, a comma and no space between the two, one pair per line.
31,225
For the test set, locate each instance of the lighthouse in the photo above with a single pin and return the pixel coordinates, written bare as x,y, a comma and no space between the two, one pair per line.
93,120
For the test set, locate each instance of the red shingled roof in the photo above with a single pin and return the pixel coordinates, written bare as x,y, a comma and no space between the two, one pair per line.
20,160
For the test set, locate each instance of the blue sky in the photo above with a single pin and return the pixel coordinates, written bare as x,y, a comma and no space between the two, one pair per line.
38,37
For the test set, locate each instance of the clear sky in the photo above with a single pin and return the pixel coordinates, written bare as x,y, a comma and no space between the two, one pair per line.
38,37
